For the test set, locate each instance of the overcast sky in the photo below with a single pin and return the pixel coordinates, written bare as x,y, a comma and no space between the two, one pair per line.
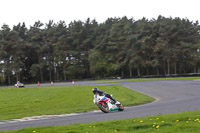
13,12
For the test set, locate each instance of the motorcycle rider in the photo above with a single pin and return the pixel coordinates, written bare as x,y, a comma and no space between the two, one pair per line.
102,93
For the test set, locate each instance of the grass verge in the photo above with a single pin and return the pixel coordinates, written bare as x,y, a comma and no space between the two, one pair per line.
187,122
17,103
156,79
140,79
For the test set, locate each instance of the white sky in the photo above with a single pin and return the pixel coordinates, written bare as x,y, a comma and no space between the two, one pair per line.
13,12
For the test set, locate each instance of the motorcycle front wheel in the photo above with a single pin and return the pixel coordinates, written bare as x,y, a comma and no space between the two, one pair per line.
104,108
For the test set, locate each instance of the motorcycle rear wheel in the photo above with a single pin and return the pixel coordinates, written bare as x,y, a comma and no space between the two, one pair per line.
121,107
104,108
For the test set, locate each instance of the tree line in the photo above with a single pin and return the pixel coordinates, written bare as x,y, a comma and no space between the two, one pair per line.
118,47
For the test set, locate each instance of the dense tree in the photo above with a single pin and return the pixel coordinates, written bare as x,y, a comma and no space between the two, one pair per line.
19,57
118,43
36,41
6,43
60,51
98,64
117,47
50,40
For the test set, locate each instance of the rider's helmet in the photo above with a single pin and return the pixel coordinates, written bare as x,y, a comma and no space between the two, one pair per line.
95,89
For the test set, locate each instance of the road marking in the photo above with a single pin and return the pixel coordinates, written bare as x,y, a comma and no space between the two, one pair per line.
37,118
33,118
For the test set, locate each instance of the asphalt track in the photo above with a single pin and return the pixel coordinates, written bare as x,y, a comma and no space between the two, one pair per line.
171,97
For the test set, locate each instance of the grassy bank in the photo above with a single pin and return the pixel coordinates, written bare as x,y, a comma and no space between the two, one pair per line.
140,79
156,79
17,103
187,122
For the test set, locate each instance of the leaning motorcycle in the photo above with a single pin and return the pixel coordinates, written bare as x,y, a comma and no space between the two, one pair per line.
106,105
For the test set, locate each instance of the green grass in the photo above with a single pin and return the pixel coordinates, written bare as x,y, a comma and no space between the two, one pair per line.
141,79
156,79
187,122
17,103
137,79
21,102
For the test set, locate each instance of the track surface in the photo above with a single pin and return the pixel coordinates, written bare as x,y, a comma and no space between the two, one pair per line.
171,97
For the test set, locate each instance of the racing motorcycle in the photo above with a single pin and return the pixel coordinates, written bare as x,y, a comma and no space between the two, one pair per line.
106,105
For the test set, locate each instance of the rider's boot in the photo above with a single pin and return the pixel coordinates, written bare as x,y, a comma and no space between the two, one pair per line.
117,102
